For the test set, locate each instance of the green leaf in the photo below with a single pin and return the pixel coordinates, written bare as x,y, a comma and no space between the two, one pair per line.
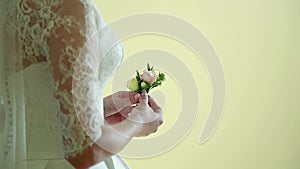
161,76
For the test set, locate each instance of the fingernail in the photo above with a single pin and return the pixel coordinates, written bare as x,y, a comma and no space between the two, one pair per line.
136,96
144,93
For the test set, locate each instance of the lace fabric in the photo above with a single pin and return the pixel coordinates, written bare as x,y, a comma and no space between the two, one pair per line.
65,35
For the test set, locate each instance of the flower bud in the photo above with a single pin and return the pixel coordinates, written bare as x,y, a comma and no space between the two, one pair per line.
143,85
133,84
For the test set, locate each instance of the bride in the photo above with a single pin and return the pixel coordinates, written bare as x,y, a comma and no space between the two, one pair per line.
56,56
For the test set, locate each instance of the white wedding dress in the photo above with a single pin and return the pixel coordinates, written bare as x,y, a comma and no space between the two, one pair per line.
44,120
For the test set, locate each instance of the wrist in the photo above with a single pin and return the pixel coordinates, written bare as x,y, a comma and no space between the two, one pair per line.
135,121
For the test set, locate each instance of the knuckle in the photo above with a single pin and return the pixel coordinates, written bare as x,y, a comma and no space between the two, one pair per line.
160,122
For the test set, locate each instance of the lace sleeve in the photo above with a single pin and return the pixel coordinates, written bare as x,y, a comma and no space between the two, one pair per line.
73,65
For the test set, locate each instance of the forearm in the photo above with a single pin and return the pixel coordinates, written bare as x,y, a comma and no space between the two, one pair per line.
113,139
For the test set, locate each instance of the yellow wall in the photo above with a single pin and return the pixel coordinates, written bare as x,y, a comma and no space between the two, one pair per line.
259,46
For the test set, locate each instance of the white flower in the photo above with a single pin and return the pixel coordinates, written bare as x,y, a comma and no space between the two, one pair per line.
149,76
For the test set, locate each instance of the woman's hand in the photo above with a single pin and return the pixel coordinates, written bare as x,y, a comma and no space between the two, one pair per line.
119,116
147,114
120,103
145,119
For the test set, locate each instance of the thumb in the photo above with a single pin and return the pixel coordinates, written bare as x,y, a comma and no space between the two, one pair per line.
144,98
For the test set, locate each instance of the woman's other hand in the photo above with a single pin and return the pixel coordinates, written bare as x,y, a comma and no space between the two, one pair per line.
147,114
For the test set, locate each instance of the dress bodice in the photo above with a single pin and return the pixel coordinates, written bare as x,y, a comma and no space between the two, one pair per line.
43,128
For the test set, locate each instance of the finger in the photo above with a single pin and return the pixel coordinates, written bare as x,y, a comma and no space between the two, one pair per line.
160,122
113,119
156,108
125,112
134,97
143,98
123,99
129,98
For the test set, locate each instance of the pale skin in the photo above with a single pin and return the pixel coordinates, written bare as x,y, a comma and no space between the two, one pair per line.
144,119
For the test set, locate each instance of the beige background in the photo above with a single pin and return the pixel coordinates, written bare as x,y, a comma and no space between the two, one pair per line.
259,46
